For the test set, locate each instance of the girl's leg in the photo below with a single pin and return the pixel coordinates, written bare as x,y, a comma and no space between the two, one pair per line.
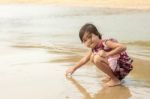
103,65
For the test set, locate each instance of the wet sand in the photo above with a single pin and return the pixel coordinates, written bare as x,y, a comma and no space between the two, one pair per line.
141,69
37,73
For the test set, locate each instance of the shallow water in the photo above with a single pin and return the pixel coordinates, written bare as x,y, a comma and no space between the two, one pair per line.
39,42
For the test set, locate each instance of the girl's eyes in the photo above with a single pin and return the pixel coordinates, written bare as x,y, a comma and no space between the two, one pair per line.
88,37
84,40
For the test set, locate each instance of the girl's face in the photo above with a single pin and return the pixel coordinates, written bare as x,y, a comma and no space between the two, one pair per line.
90,40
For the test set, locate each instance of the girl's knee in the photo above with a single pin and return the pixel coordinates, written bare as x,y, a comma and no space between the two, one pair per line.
97,59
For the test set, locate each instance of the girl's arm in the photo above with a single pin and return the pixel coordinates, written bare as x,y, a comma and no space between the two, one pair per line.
117,48
84,60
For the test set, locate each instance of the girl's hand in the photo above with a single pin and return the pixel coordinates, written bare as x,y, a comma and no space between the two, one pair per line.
70,71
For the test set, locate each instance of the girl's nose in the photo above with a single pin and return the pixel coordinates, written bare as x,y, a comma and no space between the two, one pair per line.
89,41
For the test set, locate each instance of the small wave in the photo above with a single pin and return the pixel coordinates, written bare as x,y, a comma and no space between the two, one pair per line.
139,43
53,48
139,49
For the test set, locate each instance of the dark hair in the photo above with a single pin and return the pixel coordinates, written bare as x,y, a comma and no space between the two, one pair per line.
89,28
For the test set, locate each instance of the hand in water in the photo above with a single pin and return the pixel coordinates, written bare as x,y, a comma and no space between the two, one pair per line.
70,71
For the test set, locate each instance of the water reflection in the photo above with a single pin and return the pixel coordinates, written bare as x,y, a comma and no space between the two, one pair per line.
117,92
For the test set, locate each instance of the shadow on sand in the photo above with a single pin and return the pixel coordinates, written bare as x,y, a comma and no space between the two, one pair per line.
117,92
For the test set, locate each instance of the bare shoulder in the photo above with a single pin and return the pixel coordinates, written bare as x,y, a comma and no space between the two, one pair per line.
112,44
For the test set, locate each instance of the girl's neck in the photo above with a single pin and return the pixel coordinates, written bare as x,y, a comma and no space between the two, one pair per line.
98,43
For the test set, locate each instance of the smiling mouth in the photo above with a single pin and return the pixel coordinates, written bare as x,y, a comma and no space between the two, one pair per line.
91,45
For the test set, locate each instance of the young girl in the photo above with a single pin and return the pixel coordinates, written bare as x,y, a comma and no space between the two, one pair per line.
107,54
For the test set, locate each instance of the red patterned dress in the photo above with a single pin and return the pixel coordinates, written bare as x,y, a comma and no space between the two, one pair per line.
121,64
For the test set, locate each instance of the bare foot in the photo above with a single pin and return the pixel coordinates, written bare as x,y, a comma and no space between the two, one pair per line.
113,82
106,79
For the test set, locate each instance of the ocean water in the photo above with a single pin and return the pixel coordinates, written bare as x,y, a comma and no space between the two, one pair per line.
39,25
34,38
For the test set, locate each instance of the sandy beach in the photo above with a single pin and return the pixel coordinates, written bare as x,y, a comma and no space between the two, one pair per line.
39,41
131,4
35,73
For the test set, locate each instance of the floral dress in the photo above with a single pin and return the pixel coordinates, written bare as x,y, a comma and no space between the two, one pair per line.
121,64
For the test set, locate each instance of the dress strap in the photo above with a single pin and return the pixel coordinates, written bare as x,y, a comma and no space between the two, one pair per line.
102,45
106,48
111,39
